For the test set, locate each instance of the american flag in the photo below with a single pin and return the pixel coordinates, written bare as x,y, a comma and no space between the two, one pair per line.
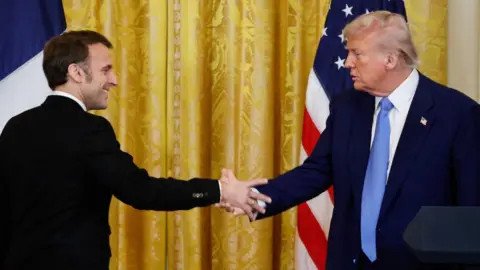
327,78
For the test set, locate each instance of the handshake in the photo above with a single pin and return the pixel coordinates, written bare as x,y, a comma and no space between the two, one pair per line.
239,197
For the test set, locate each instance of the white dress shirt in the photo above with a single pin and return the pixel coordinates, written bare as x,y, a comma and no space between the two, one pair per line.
70,96
401,99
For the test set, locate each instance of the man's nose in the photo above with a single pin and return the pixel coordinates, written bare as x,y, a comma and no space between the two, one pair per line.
349,61
113,79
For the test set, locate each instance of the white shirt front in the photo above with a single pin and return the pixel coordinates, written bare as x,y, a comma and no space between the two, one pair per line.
70,96
401,99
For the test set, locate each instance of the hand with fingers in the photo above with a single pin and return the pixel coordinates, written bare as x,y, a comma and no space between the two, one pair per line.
236,211
239,198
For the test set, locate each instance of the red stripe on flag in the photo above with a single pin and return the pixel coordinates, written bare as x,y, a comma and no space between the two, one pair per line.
310,133
312,236
330,192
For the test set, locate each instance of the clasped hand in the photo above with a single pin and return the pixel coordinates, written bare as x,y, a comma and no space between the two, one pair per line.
239,198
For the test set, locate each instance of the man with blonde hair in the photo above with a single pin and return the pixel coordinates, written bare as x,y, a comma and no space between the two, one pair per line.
397,143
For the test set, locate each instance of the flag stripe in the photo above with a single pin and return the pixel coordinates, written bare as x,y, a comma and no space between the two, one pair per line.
311,133
30,24
302,258
312,235
317,102
322,208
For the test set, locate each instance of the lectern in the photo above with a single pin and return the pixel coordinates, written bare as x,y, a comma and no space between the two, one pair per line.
446,234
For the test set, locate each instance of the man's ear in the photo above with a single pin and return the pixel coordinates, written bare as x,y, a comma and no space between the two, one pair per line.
391,60
75,73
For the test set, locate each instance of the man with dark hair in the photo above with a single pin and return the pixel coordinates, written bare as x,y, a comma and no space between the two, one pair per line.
60,166
70,47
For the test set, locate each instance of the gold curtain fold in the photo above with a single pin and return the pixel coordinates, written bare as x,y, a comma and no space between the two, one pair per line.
464,47
210,84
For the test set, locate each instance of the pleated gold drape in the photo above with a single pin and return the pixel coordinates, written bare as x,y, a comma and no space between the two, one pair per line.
211,84
464,47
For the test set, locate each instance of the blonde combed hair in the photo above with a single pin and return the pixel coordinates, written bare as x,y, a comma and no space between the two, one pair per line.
392,30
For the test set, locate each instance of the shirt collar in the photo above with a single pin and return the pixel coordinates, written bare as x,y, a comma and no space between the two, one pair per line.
70,96
402,96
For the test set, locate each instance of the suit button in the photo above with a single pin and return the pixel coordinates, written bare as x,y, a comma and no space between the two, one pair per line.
197,195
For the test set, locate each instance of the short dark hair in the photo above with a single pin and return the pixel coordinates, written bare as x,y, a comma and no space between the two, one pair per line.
65,49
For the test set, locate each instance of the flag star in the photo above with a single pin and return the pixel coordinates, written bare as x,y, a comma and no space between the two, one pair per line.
367,11
347,10
340,62
342,37
324,31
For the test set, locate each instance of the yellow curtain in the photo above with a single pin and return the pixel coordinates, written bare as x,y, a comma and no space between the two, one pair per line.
210,84
464,47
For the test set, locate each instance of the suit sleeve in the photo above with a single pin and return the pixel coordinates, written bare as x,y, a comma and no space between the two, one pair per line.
116,170
466,158
305,181
5,230
4,226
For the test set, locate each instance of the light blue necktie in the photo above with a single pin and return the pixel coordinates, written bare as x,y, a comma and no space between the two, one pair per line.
375,181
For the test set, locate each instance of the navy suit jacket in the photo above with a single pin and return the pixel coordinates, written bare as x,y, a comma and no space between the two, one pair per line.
434,164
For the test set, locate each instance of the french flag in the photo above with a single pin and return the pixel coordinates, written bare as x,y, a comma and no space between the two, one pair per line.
25,26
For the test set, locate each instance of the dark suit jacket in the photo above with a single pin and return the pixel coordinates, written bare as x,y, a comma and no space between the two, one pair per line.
59,167
434,164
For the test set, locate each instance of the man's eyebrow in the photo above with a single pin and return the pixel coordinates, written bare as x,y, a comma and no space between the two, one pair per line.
107,67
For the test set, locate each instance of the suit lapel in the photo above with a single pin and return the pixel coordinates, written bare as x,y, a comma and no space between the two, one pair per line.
359,148
411,140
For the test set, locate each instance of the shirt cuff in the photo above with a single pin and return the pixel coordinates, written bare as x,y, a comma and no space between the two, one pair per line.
220,190
259,202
